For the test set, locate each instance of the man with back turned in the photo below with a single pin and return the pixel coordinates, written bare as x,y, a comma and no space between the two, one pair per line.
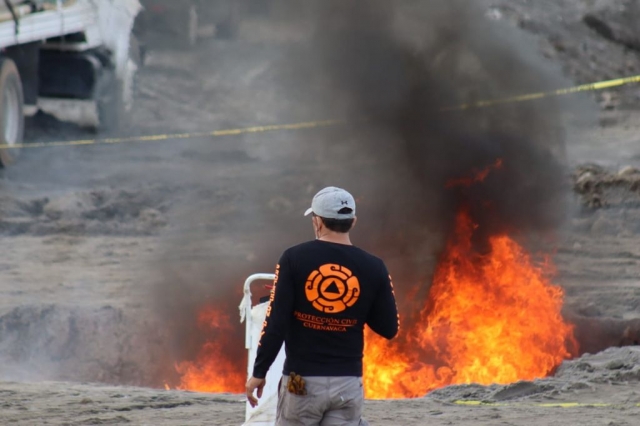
324,293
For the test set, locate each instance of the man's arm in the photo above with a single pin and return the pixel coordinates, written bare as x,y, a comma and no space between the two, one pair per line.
276,324
383,317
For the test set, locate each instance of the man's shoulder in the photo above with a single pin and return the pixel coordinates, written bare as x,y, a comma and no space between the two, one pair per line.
372,258
298,248
365,254
302,246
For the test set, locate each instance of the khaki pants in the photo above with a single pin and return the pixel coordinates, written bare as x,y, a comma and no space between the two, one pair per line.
330,401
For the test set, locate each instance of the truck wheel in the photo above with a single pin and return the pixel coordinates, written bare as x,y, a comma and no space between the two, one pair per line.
11,114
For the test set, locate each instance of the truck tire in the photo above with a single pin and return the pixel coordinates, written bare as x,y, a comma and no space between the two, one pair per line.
11,114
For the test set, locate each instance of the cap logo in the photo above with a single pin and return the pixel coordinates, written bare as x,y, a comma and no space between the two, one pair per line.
345,203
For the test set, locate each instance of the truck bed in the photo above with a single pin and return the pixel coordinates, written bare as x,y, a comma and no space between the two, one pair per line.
45,23
22,9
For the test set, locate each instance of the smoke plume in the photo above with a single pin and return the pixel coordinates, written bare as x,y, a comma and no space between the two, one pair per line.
396,65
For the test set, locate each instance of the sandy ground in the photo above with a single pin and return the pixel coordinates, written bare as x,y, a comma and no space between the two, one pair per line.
85,228
597,390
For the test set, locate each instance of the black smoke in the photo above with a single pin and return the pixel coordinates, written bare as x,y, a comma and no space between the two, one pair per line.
395,65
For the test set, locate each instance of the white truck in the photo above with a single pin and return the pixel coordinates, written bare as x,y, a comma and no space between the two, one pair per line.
74,55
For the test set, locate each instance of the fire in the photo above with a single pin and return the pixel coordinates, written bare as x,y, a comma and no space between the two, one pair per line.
490,317
478,176
214,369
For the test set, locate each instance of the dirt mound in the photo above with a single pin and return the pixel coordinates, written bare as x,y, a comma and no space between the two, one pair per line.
57,343
614,366
599,187
96,212
617,22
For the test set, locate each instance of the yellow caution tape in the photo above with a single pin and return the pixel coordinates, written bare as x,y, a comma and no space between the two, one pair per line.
542,405
168,136
532,96
325,123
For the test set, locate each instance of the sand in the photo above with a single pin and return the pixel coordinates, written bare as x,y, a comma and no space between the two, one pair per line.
594,390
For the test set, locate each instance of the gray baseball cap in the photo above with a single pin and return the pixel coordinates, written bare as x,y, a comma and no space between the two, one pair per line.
330,201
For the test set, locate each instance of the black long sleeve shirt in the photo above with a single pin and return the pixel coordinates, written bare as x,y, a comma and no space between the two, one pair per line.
324,294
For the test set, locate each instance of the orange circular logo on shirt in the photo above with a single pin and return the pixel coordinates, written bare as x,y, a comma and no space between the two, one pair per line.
332,288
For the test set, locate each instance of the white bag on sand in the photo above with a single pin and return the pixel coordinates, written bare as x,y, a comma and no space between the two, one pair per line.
264,414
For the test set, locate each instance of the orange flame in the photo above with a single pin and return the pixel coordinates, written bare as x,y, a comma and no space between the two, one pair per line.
478,176
490,318
214,369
